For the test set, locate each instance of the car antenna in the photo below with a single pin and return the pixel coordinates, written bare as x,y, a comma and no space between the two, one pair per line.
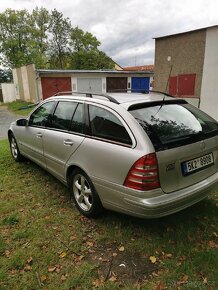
165,93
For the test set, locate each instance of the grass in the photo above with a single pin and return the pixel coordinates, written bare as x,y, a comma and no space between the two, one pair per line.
46,244
18,106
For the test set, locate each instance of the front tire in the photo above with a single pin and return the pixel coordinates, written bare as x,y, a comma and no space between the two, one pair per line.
84,194
15,152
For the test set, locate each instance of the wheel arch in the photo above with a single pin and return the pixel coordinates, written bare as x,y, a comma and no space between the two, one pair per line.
10,133
71,168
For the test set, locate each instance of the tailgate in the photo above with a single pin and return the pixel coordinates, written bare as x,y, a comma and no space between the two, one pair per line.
186,165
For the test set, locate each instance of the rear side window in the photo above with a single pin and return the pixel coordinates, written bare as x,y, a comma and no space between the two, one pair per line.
174,125
106,125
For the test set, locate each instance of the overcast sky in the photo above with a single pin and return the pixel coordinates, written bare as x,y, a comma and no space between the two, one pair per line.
125,28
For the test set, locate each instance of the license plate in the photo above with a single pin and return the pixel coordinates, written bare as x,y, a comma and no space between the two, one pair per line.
197,164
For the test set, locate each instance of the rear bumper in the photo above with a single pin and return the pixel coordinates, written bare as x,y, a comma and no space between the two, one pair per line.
155,203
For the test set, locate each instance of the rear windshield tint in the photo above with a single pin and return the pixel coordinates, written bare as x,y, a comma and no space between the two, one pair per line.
173,125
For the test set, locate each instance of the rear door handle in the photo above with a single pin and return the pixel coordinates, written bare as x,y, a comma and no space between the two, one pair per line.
39,135
68,142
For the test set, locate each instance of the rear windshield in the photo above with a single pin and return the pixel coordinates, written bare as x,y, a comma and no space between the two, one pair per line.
173,125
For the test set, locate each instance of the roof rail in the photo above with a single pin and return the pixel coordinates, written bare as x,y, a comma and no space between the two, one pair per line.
89,95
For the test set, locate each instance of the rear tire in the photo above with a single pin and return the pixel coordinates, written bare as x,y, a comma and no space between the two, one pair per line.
15,152
84,194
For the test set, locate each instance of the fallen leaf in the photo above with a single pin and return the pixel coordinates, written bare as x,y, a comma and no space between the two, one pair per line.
114,254
7,253
183,280
182,258
29,261
58,268
27,268
98,282
43,278
91,251
62,255
212,244
205,281
73,238
121,249
51,268
159,286
13,271
169,256
81,257
113,278
63,277
153,259
89,244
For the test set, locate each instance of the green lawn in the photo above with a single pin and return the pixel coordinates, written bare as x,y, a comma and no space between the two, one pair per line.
46,244
20,107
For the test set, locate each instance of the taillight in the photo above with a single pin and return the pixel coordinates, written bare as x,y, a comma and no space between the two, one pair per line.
144,174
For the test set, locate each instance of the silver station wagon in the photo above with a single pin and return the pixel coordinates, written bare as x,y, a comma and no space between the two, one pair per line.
146,155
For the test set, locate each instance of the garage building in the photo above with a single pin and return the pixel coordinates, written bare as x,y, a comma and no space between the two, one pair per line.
186,66
37,84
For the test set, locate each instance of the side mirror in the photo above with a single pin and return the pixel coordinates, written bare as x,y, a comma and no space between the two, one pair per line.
21,122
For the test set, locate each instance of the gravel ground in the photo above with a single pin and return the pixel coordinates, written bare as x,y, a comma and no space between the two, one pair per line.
6,117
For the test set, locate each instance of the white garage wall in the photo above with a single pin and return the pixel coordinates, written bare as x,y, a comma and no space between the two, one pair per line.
15,78
25,83
8,92
209,88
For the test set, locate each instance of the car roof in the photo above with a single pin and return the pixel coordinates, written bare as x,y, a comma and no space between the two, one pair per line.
124,99
128,99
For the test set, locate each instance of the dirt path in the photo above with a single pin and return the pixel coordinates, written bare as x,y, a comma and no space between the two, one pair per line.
6,117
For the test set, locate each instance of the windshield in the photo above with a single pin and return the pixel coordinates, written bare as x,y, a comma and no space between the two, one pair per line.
175,123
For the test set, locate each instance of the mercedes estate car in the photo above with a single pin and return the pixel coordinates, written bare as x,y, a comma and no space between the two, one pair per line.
146,155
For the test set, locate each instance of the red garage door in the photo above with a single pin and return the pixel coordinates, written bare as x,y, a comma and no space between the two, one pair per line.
186,85
51,86
182,85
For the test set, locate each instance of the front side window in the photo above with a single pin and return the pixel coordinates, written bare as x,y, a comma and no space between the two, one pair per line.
41,115
62,116
106,125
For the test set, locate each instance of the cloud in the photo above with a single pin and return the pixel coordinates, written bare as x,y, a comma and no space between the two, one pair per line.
125,28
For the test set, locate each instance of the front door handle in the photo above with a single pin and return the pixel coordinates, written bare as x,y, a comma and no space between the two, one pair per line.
39,135
68,142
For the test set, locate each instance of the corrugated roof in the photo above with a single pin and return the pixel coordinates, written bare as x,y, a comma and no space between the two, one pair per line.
184,32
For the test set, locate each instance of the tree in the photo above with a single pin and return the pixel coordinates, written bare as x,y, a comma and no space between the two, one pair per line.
5,75
83,41
16,41
86,54
41,21
93,59
48,40
59,44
